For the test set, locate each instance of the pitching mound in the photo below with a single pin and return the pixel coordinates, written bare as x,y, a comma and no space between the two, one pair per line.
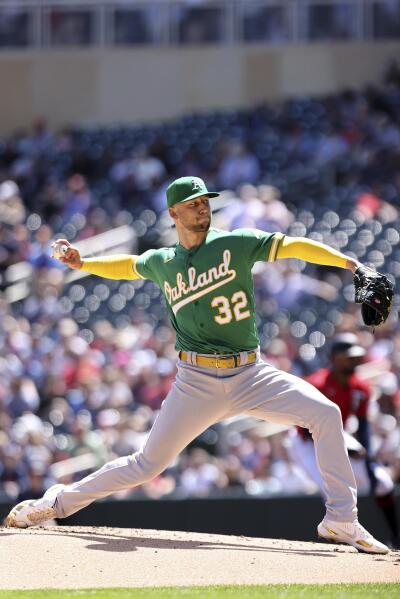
86,557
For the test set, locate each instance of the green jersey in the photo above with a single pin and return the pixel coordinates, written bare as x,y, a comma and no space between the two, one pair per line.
209,288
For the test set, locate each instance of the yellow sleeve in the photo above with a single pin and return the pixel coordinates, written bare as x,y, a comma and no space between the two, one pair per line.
310,251
119,267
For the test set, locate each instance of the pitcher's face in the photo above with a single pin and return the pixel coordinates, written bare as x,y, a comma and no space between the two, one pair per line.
193,215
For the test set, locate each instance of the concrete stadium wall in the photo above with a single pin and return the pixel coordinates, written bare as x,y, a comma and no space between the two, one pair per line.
278,517
106,86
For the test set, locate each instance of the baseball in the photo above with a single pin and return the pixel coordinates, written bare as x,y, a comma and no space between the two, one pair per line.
59,250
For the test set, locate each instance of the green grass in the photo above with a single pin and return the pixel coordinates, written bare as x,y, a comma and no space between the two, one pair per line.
279,591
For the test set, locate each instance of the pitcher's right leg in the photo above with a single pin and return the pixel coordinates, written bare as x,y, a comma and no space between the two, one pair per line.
195,401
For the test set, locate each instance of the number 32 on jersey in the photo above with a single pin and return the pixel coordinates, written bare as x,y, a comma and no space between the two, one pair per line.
229,309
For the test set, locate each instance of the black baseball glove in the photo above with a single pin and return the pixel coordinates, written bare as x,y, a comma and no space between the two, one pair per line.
374,291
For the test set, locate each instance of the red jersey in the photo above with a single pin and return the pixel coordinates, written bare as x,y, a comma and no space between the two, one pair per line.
352,399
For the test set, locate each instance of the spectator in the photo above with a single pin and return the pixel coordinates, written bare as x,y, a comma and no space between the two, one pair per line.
238,166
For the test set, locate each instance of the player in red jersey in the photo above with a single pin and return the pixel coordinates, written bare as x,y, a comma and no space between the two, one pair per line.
340,384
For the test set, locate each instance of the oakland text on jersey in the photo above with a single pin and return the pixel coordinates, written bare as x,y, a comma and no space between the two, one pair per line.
204,281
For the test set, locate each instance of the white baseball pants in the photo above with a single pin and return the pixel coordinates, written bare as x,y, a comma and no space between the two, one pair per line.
200,397
302,452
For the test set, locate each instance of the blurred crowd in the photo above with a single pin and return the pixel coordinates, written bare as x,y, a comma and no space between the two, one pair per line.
84,366
195,22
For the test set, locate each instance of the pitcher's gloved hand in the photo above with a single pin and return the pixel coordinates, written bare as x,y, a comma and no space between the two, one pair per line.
374,291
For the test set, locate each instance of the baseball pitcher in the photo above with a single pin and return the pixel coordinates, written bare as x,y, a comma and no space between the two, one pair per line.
207,283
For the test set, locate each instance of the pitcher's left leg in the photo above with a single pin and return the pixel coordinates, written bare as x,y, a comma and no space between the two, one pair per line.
276,396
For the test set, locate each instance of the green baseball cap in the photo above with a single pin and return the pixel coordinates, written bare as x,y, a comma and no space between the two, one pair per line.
187,188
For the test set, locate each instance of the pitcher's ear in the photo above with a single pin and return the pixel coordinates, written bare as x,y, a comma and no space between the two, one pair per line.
172,212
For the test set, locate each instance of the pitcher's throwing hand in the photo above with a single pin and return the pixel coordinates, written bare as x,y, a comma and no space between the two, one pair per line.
63,251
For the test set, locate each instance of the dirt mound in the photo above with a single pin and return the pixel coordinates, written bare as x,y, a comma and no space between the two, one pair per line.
88,557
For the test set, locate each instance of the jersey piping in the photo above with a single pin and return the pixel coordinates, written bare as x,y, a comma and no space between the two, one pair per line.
273,252
135,270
